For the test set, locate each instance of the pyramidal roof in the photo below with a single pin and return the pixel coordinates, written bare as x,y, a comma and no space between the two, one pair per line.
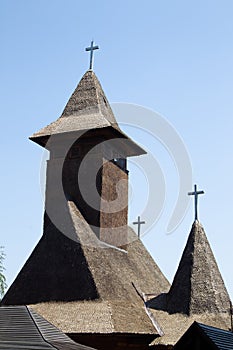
89,99
87,109
81,286
198,286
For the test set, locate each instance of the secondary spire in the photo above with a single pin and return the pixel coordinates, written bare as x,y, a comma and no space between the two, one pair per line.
196,193
91,49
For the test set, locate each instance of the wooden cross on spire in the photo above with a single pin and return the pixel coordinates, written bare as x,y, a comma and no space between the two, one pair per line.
196,193
139,223
91,49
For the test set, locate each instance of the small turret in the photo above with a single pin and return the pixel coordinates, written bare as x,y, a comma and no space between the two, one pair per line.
198,286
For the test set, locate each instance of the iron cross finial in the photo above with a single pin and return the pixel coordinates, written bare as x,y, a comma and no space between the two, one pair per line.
91,49
139,223
195,193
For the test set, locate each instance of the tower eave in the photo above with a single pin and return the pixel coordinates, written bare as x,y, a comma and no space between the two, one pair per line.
127,145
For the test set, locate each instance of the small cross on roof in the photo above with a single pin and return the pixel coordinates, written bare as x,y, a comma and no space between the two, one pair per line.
139,223
196,193
91,49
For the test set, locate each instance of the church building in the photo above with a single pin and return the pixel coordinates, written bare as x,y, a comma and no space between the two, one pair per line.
90,275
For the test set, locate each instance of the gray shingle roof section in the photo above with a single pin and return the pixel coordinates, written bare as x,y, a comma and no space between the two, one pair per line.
221,338
17,329
22,328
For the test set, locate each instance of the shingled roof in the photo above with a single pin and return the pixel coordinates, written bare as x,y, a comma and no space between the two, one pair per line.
97,279
71,272
175,325
23,328
87,109
198,286
197,293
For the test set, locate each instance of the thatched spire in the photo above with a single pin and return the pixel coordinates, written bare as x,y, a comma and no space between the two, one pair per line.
87,110
198,286
89,98
82,274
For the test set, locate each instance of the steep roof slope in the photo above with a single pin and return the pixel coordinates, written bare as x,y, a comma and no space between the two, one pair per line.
197,293
87,109
88,273
198,286
71,272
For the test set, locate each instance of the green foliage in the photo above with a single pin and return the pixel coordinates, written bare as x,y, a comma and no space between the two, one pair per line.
2,277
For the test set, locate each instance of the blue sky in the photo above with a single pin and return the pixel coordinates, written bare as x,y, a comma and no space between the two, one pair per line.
174,57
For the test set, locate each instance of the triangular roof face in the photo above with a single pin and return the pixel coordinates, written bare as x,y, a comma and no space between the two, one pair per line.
22,328
198,286
91,277
89,99
87,109
197,293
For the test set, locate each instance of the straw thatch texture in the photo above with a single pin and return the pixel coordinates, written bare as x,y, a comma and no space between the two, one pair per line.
198,286
97,317
96,277
114,270
197,293
87,109
174,326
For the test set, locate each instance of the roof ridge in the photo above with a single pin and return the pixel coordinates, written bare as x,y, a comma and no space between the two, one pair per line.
36,325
